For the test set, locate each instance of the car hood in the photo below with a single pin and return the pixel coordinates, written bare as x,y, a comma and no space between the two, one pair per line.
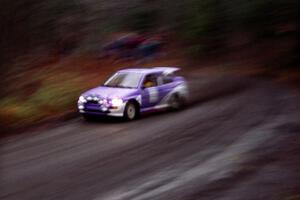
109,92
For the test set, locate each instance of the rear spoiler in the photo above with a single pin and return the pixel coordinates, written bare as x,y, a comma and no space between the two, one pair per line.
168,70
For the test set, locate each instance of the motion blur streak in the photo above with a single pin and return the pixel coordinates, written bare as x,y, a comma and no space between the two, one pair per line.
238,139
230,147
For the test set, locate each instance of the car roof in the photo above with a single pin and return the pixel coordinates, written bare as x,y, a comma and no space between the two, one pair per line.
151,70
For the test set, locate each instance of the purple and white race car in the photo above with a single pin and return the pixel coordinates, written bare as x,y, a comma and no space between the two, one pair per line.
130,92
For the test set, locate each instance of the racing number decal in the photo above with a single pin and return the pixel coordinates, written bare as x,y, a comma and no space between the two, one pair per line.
153,95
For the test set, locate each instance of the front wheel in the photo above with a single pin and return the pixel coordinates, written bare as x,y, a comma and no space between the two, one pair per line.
131,111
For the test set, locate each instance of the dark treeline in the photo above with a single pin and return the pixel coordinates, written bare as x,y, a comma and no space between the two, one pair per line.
205,26
212,25
31,24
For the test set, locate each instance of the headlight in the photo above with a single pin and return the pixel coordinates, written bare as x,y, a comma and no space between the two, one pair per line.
116,102
81,99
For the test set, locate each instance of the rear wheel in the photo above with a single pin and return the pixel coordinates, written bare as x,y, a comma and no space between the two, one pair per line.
176,102
131,111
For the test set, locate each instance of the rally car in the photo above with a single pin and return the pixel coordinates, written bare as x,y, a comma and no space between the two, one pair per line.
130,92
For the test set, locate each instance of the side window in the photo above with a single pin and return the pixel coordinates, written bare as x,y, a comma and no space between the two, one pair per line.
165,79
150,81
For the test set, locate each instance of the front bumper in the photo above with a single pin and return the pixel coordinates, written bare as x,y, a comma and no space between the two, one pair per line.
98,109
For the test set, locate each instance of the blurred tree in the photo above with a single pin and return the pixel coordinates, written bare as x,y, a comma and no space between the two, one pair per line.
205,25
141,19
28,24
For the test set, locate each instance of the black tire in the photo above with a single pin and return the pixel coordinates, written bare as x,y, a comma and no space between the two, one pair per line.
176,102
131,111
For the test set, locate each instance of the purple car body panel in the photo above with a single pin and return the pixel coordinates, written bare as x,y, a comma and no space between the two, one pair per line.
100,100
108,92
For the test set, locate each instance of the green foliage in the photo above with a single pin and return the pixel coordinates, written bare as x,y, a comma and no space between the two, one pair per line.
206,24
202,21
14,113
57,94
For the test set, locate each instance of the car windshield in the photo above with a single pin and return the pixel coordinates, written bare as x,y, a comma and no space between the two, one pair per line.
124,80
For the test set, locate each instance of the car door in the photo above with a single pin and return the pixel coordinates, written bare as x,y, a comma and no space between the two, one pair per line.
165,86
150,92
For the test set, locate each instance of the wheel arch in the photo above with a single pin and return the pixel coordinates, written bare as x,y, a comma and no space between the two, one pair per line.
135,102
136,105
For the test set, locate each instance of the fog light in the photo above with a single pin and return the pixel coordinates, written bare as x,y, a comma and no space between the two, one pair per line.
80,107
81,99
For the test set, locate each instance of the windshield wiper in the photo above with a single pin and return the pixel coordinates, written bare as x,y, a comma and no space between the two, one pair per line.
117,86
113,86
122,86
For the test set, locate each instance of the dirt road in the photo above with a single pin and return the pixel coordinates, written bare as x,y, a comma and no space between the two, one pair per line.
236,141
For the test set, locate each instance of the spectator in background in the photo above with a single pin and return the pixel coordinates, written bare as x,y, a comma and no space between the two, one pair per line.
124,46
149,49
134,46
112,48
131,44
